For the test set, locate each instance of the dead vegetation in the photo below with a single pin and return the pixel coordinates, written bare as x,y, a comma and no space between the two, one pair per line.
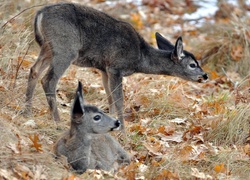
176,129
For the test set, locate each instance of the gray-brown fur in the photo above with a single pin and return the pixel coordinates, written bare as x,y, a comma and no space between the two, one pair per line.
73,34
87,145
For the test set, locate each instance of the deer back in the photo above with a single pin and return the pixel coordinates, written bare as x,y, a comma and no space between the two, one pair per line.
98,38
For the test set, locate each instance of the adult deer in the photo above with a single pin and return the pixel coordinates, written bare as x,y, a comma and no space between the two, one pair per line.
73,34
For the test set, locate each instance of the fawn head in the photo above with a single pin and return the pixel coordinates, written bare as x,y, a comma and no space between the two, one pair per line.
90,119
186,66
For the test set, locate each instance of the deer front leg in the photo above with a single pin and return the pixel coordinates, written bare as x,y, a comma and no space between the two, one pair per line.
108,93
80,164
115,83
123,157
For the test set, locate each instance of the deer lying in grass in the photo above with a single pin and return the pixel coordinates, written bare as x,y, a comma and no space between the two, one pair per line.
73,34
87,145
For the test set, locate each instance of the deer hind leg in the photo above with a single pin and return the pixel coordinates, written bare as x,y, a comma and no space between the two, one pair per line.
108,92
60,63
40,65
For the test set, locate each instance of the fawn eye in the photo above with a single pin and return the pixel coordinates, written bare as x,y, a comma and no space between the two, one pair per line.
97,117
192,65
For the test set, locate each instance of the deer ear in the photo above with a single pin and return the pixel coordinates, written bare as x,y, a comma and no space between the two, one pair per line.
78,104
178,49
163,43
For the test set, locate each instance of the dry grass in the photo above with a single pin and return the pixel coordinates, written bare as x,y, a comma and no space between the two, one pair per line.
234,130
226,45
151,102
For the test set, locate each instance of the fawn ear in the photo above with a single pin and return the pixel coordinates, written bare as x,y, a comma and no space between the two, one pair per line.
78,105
163,43
178,49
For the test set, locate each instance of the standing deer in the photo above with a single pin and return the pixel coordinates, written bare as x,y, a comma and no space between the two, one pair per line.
73,34
87,145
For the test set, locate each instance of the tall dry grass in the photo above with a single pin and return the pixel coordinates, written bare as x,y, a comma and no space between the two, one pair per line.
226,45
150,102
16,38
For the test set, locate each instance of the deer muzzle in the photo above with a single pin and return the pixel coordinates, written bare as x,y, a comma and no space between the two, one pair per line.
203,78
117,125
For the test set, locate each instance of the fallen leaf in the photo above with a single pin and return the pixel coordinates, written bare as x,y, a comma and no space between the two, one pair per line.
138,128
166,130
154,149
178,120
185,152
13,147
220,168
24,63
130,170
195,130
166,174
23,172
158,162
213,75
195,172
35,142
71,177
176,137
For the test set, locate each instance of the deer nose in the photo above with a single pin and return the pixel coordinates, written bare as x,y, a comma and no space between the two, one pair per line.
117,123
205,77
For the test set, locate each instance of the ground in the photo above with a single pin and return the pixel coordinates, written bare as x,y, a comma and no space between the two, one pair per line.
175,129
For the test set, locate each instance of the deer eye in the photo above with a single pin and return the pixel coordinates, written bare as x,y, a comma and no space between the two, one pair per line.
192,65
97,117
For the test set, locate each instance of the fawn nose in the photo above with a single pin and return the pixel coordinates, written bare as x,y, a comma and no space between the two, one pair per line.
205,77
117,123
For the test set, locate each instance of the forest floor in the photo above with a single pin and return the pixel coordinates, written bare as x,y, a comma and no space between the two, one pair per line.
175,129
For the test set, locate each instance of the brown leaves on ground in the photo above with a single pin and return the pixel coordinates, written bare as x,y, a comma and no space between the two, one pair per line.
183,140
175,129
166,174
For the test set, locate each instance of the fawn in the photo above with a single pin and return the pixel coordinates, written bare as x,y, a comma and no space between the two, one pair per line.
87,145
70,33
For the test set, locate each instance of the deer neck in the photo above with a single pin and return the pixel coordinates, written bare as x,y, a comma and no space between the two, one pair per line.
155,61
80,133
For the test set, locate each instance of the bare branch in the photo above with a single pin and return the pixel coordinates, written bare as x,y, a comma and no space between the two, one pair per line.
20,13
